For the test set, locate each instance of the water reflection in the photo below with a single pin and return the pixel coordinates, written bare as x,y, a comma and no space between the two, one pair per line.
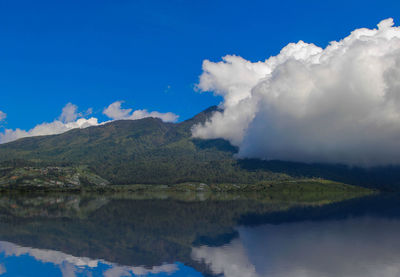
225,235
69,265
357,247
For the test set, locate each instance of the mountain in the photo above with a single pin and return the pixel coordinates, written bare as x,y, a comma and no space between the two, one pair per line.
145,151
150,151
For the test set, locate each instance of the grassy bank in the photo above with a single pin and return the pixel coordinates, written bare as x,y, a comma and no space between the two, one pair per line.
305,190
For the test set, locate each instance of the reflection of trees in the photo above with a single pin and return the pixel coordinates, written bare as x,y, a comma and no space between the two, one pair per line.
49,206
127,231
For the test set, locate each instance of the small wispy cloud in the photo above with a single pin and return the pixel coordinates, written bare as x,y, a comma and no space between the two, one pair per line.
69,113
167,89
116,112
70,118
3,116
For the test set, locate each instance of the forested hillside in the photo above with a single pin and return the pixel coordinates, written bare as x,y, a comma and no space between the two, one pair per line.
149,151
146,151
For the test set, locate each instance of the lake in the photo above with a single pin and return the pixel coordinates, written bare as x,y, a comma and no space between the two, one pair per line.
198,235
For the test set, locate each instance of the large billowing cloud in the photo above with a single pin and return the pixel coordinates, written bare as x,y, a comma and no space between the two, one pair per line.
340,104
115,111
70,119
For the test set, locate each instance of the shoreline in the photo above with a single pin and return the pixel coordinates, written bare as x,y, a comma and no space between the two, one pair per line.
306,190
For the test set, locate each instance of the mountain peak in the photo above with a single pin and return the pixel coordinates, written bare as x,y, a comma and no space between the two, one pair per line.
203,116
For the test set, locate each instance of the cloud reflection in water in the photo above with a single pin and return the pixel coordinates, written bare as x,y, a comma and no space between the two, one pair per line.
77,266
355,247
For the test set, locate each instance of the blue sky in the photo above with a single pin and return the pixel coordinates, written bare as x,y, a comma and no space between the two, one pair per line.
148,53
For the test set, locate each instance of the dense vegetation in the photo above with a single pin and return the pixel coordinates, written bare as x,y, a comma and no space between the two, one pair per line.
146,151
149,151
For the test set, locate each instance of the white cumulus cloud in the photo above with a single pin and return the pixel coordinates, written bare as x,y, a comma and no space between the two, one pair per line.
52,128
339,104
69,113
116,112
70,119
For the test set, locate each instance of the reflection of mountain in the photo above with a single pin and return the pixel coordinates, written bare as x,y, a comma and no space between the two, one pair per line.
147,232
50,205
127,232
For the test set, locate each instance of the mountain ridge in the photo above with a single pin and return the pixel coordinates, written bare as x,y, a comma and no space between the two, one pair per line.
150,151
147,151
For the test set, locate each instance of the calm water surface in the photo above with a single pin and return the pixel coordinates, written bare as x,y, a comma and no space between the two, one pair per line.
197,235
